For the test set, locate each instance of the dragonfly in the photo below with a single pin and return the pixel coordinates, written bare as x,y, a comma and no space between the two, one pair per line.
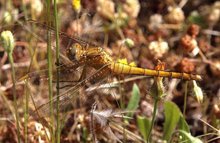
82,56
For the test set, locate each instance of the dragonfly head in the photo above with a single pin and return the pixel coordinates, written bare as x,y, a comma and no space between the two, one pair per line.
74,52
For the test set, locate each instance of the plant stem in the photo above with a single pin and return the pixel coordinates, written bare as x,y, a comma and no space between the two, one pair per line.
10,57
49,60
185,98
57,72
26,114
153,118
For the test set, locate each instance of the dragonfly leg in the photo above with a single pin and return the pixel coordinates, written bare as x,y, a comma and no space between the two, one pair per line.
58,64
54,81
182,76
83,75
158,73
69,85
73,82
171,75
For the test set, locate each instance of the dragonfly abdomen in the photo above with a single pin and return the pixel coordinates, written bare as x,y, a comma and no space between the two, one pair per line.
120,68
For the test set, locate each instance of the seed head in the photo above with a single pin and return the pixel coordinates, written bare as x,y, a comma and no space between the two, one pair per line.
7,17
128,42
8,41
158,90
197,92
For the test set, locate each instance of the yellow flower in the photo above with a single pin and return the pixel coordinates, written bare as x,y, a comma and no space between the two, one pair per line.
76,5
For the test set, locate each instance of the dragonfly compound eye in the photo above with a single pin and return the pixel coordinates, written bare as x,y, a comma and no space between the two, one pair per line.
71,53
75,52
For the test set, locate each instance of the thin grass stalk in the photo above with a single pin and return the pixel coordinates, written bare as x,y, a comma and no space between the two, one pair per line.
26,113
10,57
122,99
49,60
185,99
57,72
153,119
27,93
8,43
24,8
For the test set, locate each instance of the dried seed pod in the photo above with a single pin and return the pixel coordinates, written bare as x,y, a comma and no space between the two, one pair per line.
186,66
189,45
216,110
175,15
211,13
215,68
214,14
132,8
193,30
204,45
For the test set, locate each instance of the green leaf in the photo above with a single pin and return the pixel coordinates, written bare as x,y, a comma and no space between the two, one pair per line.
183,126
172,116
143,125
196,18
134,100
189,137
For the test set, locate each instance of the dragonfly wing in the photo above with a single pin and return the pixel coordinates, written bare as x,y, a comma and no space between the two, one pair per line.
70,96
66,40
69,70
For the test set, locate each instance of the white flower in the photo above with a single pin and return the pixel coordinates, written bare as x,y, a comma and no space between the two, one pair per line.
36,7
132,8
158,48
155,22
106,8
